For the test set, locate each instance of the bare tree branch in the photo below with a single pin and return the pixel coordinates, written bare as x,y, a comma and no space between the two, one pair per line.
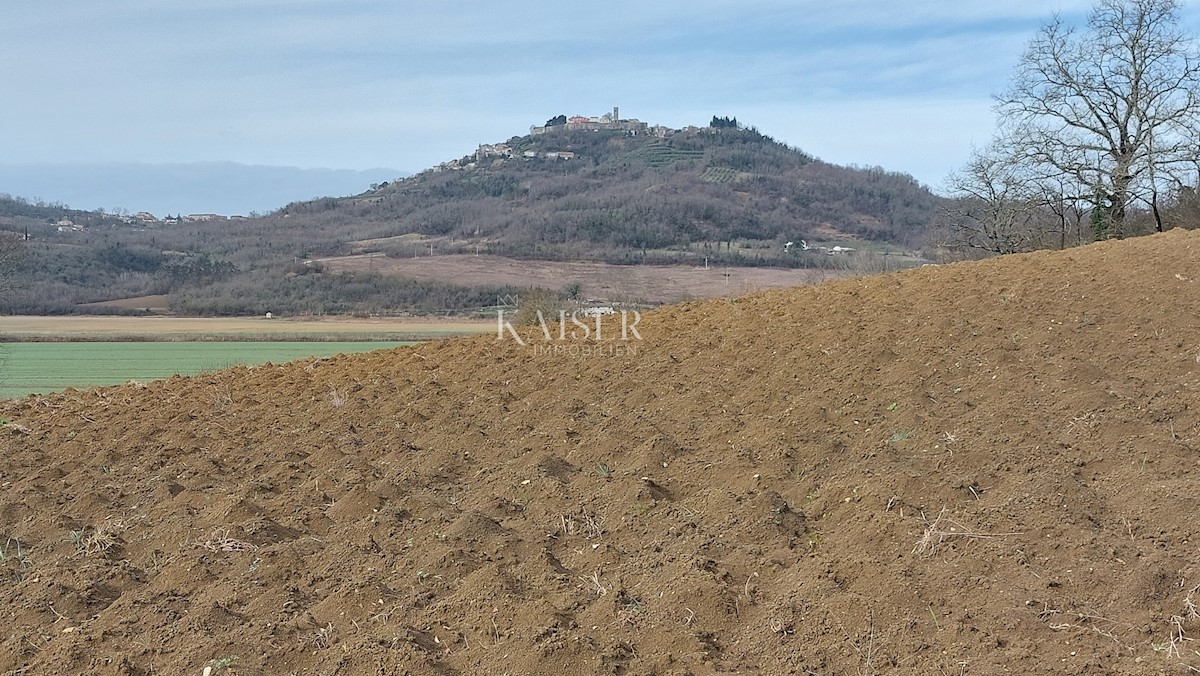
1114,107
997,207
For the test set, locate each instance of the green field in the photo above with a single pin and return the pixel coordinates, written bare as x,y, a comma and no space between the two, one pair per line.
38,368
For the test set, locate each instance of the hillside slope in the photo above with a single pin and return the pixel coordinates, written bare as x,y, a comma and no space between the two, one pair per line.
623,197
970,469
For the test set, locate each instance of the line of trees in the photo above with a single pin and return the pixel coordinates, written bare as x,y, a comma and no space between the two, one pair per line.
1097,136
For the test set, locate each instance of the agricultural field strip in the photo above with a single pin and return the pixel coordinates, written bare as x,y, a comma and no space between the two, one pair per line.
41,367
22,329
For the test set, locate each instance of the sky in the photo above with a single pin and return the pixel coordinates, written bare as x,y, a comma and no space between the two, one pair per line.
406,84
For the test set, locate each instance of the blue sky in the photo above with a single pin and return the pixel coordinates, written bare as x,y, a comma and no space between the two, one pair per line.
358,84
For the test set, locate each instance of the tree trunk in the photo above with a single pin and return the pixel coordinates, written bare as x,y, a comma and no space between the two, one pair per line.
1120,199
1158,223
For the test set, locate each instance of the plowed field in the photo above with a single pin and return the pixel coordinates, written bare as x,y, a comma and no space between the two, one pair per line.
977,468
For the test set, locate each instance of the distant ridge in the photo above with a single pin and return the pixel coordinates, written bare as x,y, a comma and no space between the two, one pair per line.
194,187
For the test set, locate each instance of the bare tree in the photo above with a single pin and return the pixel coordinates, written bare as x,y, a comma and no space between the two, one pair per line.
996,206
1066,210
1113,108
1184,207
12,259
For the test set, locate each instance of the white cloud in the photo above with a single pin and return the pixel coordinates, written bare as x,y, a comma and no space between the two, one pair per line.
360,83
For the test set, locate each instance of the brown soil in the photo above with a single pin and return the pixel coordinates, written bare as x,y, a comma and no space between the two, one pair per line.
155,303
977,468
623,283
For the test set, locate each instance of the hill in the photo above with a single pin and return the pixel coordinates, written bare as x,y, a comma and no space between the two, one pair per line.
18,214
974,468
620,196
728,197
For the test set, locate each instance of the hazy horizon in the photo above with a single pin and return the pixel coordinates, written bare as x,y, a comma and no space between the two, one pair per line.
228,188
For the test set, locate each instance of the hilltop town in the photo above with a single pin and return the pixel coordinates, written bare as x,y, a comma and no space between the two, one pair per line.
608,122
147,219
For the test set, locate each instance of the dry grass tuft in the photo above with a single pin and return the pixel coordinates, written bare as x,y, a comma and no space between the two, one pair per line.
338,399
593,582
98,540
219,541
943,528
1190,611
323,638
590,526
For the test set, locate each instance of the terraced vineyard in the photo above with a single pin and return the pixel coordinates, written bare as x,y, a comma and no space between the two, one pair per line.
724,175
663,154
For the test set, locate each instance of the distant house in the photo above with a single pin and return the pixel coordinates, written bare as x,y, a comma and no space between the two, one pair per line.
200,218
499,149
145,217
579,119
